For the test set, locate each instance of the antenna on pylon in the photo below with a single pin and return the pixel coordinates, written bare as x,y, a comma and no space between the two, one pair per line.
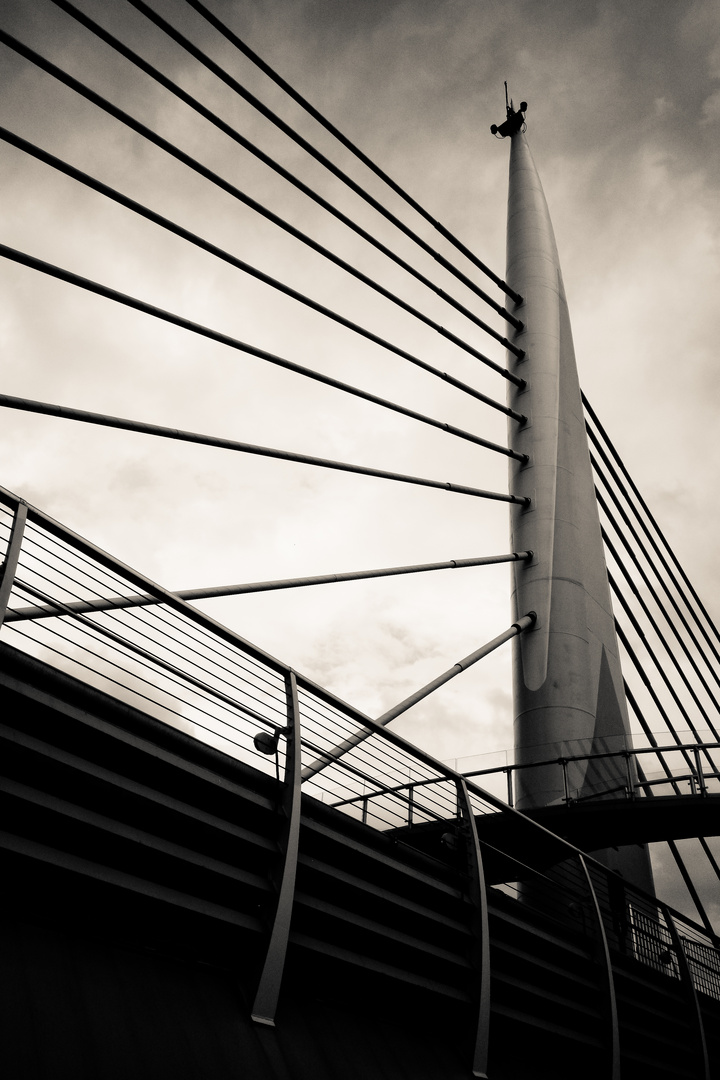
514,120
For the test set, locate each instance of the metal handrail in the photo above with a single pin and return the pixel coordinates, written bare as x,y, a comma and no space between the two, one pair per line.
247,687
698,775
694,776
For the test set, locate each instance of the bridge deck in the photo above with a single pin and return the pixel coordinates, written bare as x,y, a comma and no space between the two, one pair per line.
140,865
596,824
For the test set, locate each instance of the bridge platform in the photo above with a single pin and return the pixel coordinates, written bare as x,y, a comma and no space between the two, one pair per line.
592,825
140,868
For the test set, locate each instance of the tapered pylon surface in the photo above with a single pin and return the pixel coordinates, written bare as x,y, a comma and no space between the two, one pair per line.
568,688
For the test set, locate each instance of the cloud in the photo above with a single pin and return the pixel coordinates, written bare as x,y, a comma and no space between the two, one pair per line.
711,108
623,104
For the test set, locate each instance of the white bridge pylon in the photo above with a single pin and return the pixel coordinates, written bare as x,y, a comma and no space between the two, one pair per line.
567,679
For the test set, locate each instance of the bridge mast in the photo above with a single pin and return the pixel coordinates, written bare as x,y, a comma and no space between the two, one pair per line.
567,681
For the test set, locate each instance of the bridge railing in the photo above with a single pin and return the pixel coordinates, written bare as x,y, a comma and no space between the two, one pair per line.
58,603
173,661
64,601
691,767
701,778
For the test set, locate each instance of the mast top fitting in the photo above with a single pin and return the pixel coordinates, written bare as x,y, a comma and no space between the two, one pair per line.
514,120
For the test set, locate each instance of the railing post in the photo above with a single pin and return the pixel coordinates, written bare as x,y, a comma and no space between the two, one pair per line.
478,894
629,775
511,797
9,566
563,762
266,998
604,951
411,793
690,992
699,770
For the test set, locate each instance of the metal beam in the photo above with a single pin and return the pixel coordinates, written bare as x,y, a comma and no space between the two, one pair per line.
604,951
268,992
478,893
12,555
146,600
342,748
462,665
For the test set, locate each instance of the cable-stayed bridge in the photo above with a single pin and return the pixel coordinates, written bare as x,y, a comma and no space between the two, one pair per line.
189,816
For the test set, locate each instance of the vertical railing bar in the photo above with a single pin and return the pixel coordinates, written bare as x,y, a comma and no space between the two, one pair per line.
511,797
629,775
268,992
699,770
12,555
479,897
411,793
614,1071
691,993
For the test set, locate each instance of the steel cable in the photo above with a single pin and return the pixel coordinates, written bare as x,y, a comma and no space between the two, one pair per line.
632,655
663,584
324,122
295,181
146,600
137,677
205,245
634,589
680,863
658,530
650,792
245,94
202,636
159,431
224,339
660,669
230,189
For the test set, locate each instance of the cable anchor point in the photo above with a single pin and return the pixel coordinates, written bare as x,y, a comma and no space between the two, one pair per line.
514,122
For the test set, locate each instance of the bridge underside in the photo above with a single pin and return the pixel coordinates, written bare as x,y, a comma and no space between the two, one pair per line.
139,864
592,825
612,822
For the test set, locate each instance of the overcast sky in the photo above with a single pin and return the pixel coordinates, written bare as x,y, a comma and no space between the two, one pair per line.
623,120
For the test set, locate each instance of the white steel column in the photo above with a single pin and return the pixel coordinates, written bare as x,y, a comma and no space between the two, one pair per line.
568,691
